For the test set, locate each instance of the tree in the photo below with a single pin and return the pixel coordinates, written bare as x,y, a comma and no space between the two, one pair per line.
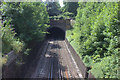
71,7
96,37
53,8
29,20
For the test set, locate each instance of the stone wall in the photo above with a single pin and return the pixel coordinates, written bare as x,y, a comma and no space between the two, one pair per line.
62,24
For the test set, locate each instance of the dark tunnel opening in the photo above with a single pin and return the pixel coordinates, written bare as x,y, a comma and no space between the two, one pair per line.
55,33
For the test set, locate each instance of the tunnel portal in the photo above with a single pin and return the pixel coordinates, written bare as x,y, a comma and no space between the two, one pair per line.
55,33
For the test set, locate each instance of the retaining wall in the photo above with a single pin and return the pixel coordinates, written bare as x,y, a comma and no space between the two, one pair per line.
80,64
12,70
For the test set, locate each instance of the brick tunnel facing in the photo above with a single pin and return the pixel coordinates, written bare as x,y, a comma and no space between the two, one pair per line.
55,33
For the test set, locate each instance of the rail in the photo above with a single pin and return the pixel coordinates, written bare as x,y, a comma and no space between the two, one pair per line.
61,75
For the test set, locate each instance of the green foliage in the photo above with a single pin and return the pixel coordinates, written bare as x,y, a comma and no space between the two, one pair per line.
29,19
107,68
96,37
23,23
26,52
9,42
66,15
70,7
53,8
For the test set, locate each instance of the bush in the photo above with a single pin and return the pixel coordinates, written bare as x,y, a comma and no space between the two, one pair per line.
106,68
96,37
24,23
9,42
29,19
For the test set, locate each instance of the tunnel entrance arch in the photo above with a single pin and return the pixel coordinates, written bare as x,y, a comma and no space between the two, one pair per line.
55,33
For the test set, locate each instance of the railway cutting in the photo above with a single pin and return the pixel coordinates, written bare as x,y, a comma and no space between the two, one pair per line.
56,62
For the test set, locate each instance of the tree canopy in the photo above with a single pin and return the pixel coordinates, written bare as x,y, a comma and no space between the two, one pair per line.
53,8
23,23
96,37
70,7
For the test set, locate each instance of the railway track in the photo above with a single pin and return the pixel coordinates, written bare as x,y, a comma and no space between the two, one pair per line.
55,62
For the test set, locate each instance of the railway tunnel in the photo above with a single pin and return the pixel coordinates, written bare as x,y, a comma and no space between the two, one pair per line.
55,33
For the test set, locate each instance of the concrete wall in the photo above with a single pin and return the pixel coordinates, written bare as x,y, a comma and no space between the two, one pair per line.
83,69
10,68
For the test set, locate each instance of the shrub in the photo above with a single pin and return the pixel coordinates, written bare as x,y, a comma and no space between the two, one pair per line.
9,42
95,37
29,19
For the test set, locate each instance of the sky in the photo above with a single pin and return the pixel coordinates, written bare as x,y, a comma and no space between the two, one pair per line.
60,2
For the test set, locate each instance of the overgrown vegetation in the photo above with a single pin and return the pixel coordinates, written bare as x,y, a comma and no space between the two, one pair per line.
9,42
23,23
66,15
29,20
53,8
70,7
96,37
56,12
